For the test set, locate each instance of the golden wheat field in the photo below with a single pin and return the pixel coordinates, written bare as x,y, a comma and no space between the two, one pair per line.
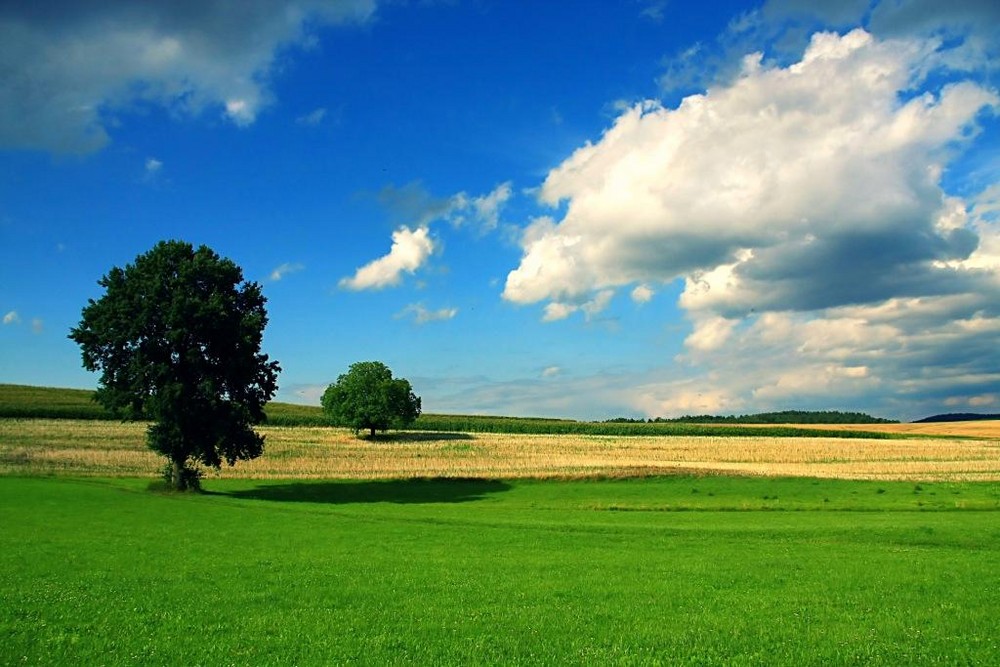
114,449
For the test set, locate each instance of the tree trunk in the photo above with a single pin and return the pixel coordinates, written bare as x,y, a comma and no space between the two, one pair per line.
176,480
373,432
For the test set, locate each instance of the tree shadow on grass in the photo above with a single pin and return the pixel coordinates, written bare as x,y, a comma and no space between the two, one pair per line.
401,491
416,436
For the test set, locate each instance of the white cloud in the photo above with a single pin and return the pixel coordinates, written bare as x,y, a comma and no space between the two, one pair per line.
710,333
684,398
313,118
421,315
903,358
782,28
643,294
12,318
598,304
412,204
556,310
487,208
760,193
551,372
824,263
70,68
410,249
283,270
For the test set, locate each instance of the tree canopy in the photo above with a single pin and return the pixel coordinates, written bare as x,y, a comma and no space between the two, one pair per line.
367,397
176,337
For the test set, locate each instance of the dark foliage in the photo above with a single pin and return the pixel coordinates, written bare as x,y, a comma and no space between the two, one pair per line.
783,417
957,417
176,338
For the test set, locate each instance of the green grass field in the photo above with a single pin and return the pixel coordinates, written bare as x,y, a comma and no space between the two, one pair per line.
682,570
676,569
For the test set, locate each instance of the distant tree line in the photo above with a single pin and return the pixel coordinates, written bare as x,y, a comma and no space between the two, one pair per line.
957,417
783,417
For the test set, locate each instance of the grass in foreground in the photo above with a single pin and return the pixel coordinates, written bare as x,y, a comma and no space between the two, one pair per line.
477,571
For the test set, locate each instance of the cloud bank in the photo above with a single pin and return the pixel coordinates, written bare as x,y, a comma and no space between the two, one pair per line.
803,209
70,66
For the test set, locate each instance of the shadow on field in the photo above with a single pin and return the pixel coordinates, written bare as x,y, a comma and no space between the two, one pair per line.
402,491
416,436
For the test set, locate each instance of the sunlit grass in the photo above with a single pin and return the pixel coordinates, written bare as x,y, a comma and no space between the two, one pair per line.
676,570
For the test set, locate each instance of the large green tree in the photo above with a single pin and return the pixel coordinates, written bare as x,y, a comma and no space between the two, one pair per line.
367,397
176,337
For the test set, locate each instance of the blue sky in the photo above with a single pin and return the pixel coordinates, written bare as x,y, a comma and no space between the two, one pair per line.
595,209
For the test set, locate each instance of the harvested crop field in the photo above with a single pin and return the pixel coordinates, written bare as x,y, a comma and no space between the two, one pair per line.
30,447
984,428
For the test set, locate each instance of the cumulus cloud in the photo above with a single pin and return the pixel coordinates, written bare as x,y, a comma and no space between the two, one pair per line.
410,249
421,315
11,318
71,66
972,23
905,358
283,270
801,188
784,27
803,208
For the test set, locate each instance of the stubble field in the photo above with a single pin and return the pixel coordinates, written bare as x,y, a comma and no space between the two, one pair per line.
104,448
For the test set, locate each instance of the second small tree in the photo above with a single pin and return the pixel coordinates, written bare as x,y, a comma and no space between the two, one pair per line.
368,398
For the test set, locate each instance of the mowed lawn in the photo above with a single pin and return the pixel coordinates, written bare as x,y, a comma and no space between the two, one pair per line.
677,570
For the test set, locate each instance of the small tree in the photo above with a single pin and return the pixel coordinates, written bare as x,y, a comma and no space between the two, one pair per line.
176,338
367,397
